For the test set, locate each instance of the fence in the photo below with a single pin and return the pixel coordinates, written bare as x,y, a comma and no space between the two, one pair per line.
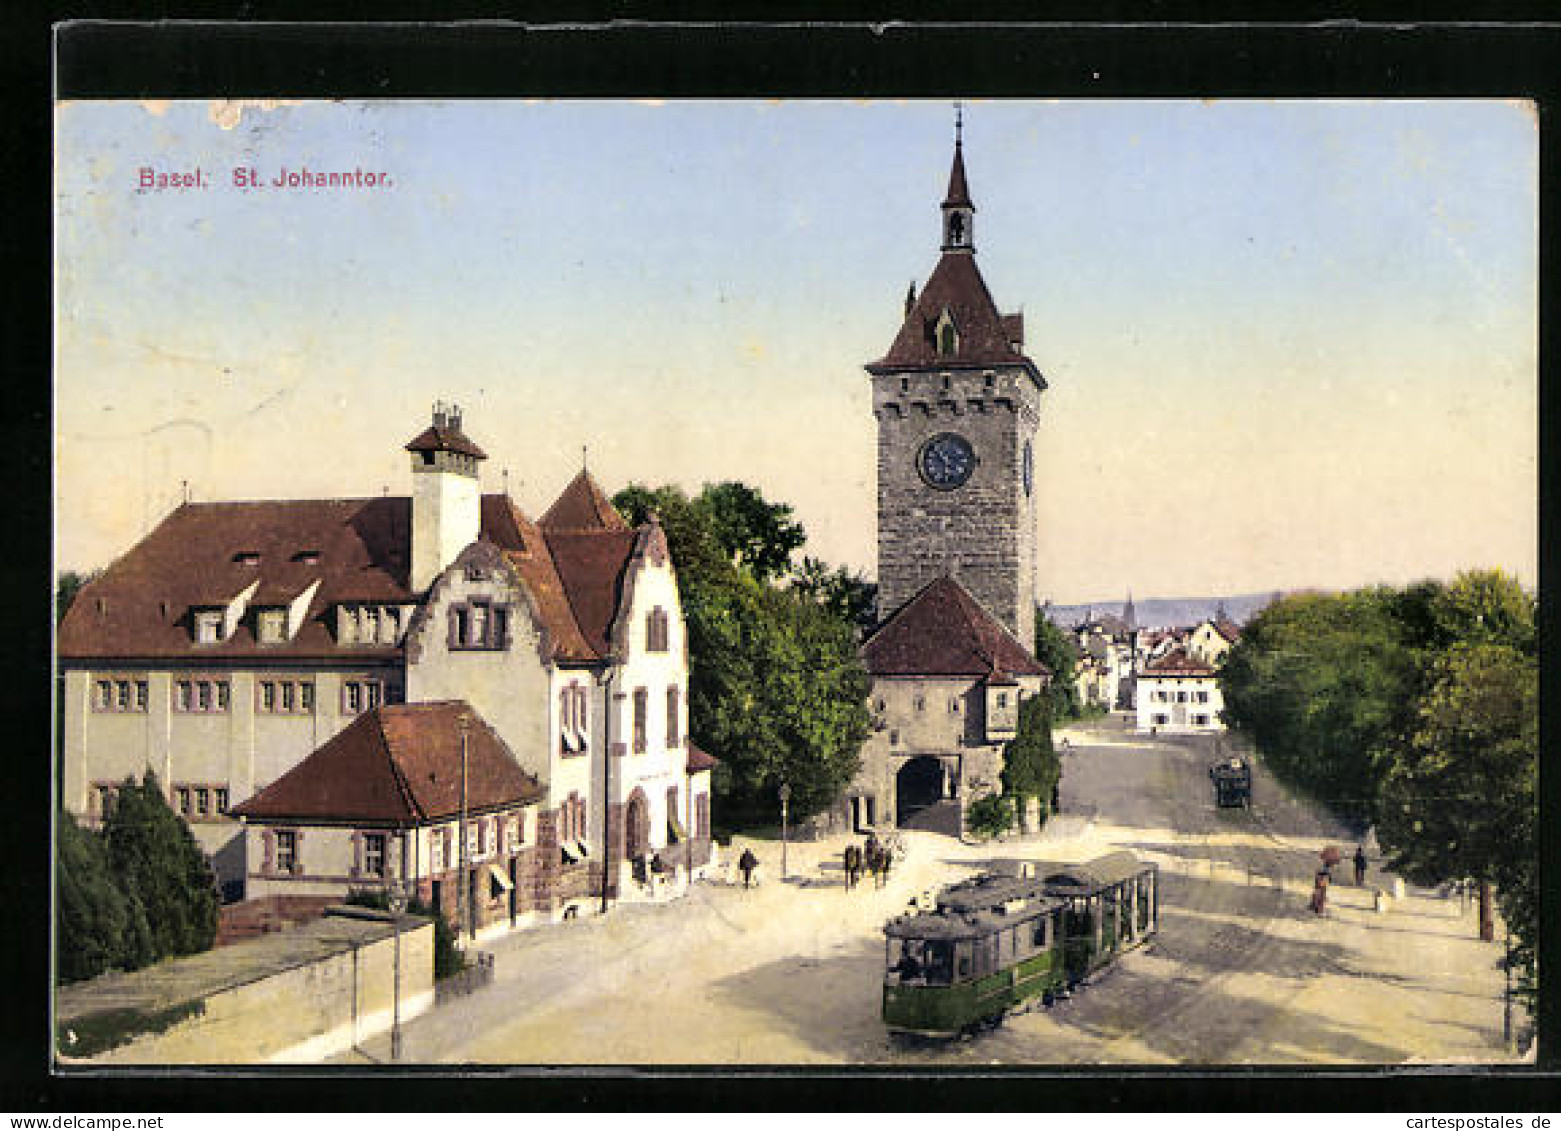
476,975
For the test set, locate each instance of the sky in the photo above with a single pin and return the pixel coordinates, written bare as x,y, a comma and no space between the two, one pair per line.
1288,344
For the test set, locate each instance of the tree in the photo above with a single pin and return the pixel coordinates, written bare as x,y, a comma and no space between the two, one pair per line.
776,688
67,587
100,927
157,861
846,594
1055,649
1030,764
1324,685
757,534
990,816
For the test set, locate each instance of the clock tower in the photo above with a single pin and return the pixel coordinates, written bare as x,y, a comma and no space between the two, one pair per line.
958,404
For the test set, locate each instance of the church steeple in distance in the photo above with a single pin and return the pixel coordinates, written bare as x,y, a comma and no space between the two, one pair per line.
958,212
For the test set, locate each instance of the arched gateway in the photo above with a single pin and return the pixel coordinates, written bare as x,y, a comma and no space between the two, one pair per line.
918,786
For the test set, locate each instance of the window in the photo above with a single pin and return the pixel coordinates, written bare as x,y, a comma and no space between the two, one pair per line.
104,794
359,695
306,698
953,706
641,709
512,833
201,695
289,696
436,841
479,625
182,794
268,696
375,693
673,705
374,854
921,703
120,694
1002,699
656,630
208,627
894,738
287,851
1203,696
948,341
271,626
220,795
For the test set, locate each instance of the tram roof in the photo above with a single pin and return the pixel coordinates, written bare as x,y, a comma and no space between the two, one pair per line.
1091,876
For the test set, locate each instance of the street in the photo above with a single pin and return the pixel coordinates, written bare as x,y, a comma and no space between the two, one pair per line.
790,972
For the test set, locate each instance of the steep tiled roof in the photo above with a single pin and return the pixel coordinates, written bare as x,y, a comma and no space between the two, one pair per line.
204,554
398,765
591,564
582,506
524,547
944,631
984,339
1177,662
1227,628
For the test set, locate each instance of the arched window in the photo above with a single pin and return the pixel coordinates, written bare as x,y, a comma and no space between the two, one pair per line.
948,340
656,630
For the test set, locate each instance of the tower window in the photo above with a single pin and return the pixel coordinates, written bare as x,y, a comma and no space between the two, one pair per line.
948,341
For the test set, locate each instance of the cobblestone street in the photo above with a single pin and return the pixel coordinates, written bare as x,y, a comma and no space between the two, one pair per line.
789,973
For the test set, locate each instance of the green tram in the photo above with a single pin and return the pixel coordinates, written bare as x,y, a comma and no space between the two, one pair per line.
1027,930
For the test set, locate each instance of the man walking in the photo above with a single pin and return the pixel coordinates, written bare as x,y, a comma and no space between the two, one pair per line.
746,863
1360,865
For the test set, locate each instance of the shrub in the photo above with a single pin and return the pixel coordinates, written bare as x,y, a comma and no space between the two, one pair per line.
990,816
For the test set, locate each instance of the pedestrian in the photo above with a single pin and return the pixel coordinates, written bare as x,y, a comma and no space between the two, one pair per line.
1360,865
747,862
1320,893
853,865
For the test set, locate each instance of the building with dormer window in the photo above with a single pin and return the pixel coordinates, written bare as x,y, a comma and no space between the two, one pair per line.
238,640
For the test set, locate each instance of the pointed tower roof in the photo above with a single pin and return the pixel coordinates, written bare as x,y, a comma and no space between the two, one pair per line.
943,630
1129,614
959,192
583,506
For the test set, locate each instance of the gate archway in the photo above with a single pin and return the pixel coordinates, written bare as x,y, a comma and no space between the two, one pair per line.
918,785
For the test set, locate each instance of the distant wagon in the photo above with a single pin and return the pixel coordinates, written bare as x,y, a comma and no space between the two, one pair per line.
1030,930
1232,783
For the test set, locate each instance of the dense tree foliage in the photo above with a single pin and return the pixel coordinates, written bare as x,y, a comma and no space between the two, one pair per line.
1055,649
846,594
1030,764
66,587
1416,709
154,857
992,815
100,927
1324,685
776,689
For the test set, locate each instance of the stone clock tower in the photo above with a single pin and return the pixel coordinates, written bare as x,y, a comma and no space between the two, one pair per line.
958,404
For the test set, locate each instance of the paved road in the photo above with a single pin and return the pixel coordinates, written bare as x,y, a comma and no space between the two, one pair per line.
1241,971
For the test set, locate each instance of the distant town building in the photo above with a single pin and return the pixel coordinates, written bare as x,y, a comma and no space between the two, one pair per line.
241,641
1179,694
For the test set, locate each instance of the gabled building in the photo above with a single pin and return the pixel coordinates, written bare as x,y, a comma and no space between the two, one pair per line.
1179,694
947,680
1212,640
238,638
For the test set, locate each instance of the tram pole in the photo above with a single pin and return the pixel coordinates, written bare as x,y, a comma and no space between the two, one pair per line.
785,797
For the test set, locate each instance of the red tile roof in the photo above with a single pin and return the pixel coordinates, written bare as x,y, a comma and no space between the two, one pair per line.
445,438
1178,662
944,631
591,564
956,285
398,765
582,506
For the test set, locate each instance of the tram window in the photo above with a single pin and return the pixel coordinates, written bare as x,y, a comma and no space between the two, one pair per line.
1038,939
938,965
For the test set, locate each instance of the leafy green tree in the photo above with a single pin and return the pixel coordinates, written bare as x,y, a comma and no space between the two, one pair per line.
1055,649
1030,763
776,688
100,926
846,594
158,862
66,588
990,816
757,534
1324,685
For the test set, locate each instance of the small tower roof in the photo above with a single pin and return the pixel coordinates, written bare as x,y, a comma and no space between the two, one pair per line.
959,192
583,506
445,435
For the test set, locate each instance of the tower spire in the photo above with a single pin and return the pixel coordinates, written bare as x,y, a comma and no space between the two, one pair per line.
958,211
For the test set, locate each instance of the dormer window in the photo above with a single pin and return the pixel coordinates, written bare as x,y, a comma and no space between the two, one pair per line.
247,558
307,557
271,626
947,335
208,626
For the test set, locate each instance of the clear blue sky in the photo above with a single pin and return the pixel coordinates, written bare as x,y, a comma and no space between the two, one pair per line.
1289,344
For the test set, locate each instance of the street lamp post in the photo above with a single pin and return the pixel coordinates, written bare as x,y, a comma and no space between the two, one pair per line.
1506,1001
397,902
785,797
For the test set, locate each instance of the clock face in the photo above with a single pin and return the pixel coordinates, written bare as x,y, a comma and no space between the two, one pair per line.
946,461
1029,468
